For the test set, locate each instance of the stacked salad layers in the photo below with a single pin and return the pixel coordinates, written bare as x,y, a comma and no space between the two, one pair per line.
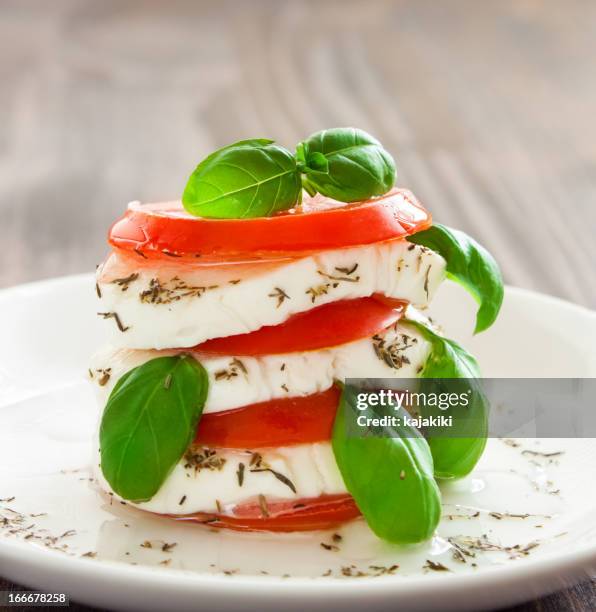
236,315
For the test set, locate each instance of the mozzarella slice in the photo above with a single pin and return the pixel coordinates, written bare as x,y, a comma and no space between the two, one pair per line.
235,381
162,305
310,467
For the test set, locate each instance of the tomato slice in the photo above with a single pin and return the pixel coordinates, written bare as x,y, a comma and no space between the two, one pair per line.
166,230
322,327
325,512
279,422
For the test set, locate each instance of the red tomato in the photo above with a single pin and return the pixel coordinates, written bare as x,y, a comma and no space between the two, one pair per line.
325,512
325,326
279,422
166,230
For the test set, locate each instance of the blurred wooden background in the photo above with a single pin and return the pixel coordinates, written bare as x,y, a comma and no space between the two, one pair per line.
489,108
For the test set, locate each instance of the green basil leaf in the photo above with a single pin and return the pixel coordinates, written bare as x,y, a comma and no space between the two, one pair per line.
345,164
469,264
389,474
447,359
148,423
250,178
457,451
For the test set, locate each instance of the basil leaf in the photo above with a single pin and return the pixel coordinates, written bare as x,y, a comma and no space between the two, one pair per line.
148,423
470,265
345,164
447,359
457,451
250,178
388,473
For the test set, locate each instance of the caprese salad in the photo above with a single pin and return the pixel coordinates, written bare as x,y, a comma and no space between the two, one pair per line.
235,316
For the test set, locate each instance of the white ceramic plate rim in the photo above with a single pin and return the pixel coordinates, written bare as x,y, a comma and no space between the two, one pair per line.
112,572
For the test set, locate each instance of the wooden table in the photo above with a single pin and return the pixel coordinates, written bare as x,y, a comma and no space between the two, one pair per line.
488,107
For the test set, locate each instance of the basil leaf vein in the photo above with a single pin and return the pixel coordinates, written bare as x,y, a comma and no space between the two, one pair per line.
470,265
388,473
149,421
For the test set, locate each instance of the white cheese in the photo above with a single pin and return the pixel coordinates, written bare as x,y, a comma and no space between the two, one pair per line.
310,467
239,381
163,305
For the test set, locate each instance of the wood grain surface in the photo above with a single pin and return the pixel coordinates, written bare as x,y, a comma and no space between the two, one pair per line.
489,108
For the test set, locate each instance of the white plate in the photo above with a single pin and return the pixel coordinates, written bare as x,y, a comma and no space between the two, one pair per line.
47,415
